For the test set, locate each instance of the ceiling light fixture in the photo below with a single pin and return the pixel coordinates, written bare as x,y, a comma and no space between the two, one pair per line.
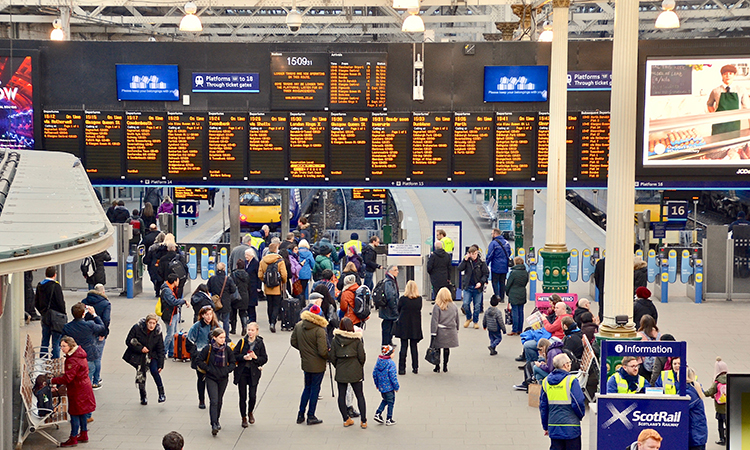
546,35
191,22
57,32
413,23
667,18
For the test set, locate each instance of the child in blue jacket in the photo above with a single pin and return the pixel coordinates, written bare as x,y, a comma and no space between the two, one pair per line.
386,381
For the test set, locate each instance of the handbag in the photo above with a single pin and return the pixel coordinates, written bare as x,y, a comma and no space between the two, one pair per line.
217,298
433,354
297,288
56,320
452,287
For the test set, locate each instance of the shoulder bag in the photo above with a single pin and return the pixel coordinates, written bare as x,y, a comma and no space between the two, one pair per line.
217,298
433,354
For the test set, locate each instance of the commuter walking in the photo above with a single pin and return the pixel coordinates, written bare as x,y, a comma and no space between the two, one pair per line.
145,352
50,303
386,380
444,326
222,285
170,307
307,263
370,257
81,401
199,336
272,272
409,326
253,287
309,337
348,357
474,278
499,256
199,299
494,324
97,298
250,354
216,361
561,405
515,287
96,274
389,313
242,300
439,266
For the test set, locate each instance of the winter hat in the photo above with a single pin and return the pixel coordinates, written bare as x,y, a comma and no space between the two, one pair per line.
741,215
720,367
315,296
387,350
643,292
315,309
349,280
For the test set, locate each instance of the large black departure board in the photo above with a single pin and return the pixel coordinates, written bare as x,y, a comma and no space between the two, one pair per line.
227,141
143,144
308,137
103,145
571,141
62,131
185,146
594,146
358,81
267,143
391,140
299,81
473,146
430,146
515,146
350,146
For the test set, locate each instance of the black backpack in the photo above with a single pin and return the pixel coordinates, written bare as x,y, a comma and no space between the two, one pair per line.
378,295
272,276
88,266
362,302
575,364
177,267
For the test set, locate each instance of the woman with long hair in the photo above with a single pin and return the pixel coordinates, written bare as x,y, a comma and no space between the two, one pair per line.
148,215
348,356
648,331
81,399
444,326
199,336
199,299
216,361
349,269
409,326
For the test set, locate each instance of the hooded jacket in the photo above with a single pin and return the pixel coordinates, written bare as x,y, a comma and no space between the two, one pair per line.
554,349
498,254
573,341
721,408
101,305
86,333
264,263
307,261
242,282
640,276
562,421
322,263
439,267
697,426
348,356
140,337
515,286
309,337
347,303
384,374
493,320
76,377
641,307
99,275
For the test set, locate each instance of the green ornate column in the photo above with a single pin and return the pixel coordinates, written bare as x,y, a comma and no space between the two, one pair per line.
555,268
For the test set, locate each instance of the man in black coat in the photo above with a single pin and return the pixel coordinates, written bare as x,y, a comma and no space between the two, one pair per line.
643,305
573,339
49,297
583,306
370,257
120,213
439,267
99,276
164,269
149,237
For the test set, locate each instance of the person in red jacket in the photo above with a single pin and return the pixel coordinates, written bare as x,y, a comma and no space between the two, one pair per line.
81,399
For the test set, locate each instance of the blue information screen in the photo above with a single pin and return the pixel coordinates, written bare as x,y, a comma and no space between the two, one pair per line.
515,83
225,82
148,82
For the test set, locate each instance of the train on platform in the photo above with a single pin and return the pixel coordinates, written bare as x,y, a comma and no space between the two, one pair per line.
260,207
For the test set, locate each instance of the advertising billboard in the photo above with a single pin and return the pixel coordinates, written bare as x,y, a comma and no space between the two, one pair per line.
516,83
697,112
16,103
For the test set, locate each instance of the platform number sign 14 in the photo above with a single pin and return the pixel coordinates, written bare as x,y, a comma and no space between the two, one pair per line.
677,210
373,209
187,209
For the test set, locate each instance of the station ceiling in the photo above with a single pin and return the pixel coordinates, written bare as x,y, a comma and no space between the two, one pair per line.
354,20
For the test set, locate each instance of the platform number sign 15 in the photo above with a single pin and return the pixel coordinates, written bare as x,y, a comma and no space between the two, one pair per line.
373,209
677,210
187,209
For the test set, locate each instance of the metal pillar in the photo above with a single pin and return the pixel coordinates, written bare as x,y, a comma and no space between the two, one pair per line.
618,284
528,218
284,213
234,218
555,251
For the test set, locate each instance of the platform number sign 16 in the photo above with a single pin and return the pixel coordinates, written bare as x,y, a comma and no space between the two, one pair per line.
677,210
187,209
373,209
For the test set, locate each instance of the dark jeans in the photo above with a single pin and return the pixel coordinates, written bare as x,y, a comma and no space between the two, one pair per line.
408,344
518,318
310,393
446,355
248,394
389,399
565,444
251,315
223,316
498,284
368,279
216,391
47,335
387,328
357,387
303,295
722,419
76,423
153,367
274,306
201,387
495,338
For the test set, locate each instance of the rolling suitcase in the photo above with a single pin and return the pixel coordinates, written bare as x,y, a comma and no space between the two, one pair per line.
180,347
290,311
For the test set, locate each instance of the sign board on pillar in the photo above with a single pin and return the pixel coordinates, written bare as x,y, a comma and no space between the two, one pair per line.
404,255
452,231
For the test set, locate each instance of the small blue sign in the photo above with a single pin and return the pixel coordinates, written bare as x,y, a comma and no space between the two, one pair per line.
373,209
516,83
677,210
187,209
225,82
590,80
660,229
147,82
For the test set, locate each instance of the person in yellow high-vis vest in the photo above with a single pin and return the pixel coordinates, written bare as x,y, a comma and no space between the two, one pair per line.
626,380
668,378
447,242
561,405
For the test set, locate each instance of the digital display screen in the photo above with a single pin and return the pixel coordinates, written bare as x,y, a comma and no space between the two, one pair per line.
143,145
103,145
308,135
350,146
473,146
594,145
185,133
391,140
697,112
183,193
16,103
299,81
358,81
571,141
227,137
147,82
267,142
430,145
515,83
515,146
369,194
62,131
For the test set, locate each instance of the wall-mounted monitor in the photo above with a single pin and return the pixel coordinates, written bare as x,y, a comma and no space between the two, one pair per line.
148,82
516,83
